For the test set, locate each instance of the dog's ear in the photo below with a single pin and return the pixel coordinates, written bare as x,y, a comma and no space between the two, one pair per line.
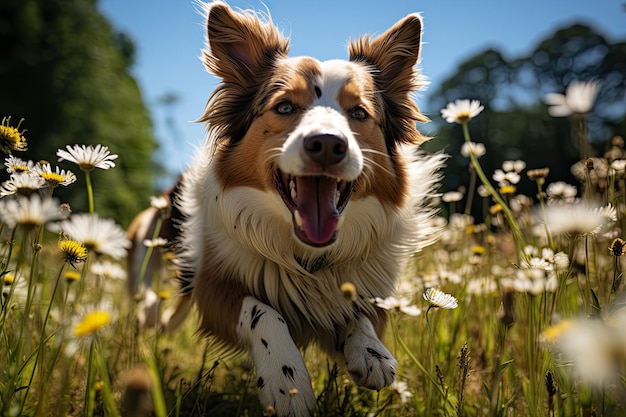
391,58
241,45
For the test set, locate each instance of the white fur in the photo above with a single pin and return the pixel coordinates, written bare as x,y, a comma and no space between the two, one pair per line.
282,378
368,361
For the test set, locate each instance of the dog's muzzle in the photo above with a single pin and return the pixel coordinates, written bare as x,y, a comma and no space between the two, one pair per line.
317,200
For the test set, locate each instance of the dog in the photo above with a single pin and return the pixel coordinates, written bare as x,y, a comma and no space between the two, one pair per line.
310,177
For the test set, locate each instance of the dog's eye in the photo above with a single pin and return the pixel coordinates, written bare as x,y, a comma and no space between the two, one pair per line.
359,113
284,107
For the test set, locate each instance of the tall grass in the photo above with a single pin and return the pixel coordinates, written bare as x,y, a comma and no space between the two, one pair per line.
538,330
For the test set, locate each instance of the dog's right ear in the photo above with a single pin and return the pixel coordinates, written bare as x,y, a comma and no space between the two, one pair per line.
241,45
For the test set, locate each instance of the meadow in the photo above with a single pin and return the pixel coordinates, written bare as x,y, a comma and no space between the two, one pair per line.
518,314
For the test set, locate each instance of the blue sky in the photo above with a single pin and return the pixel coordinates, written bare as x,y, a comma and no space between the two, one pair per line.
169,35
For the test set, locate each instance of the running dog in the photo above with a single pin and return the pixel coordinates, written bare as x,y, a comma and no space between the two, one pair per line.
310,178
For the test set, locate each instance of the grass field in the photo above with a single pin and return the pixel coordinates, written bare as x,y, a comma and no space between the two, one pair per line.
538,328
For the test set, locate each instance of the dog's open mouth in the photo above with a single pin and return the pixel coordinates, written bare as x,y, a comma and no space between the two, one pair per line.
315,203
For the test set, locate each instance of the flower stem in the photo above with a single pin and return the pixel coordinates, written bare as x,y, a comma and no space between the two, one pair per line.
519,240
89,191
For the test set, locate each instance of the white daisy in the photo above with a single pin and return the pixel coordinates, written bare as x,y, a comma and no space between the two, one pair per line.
579,98
578,218
402,304
619,165
461,111
148,308
452,196
595,348
478,149
102,236
505,178
56,177
514,166
23,183
561,192
159,242
109,270
439,299
30,211
88,157
160,202
15,164
402,388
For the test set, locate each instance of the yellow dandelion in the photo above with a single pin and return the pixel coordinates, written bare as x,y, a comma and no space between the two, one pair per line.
91,323
478,250
554,332
73,251
496,208
11,139
348,290
163,295
72,276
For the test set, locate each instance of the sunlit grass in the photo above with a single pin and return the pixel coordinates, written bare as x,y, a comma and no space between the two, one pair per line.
516,314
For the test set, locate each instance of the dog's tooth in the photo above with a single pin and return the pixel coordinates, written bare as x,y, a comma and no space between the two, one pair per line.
340,222
292,189
337,196
299,222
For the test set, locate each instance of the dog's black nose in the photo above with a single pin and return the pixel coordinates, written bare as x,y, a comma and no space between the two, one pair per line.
325,149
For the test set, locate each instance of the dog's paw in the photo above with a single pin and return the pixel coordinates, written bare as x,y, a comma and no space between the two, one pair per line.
368,361
282,378
286,388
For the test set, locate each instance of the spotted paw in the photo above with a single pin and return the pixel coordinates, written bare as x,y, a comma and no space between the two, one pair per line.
368,361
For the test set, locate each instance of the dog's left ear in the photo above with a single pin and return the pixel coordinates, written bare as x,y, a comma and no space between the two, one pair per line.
392,57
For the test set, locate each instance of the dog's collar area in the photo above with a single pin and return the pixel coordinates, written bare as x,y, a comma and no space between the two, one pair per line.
314,265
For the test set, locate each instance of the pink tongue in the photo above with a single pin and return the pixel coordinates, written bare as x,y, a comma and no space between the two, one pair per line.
316,204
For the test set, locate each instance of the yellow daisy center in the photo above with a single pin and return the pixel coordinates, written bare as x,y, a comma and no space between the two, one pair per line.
507,189
463,117
52,177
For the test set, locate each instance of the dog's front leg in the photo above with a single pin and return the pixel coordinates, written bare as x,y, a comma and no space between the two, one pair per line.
282,378
368,361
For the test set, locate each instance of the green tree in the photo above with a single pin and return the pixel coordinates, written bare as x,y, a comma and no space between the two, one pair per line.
66,72
515,123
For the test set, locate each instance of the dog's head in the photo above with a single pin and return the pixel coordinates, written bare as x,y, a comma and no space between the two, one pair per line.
319,134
